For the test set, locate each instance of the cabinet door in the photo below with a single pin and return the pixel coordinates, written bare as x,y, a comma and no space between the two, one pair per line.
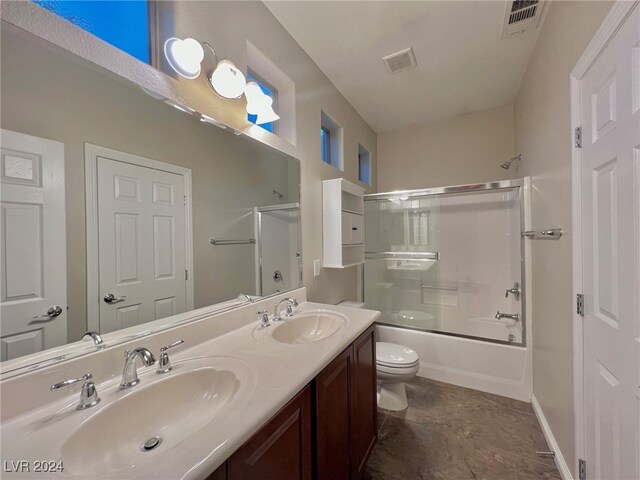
333,411
357,228
363,401
282,449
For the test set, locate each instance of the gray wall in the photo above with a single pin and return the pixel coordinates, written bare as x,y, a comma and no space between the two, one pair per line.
543,136
464,149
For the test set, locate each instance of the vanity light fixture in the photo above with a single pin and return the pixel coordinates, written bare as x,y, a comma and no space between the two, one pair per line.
185,57
227,80
259,104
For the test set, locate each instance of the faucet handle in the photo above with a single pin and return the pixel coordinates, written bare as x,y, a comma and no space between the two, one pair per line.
88,395
164,364
264,318
171,345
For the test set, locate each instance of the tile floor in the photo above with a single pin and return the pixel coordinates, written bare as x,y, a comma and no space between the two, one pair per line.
452,433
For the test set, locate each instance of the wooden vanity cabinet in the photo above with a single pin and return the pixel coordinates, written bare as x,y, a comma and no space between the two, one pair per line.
346,411
326,432
364,402
282,449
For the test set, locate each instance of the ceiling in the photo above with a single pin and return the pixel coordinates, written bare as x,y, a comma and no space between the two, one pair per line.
463,64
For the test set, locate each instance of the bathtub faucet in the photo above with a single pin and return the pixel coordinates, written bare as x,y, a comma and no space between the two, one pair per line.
512,316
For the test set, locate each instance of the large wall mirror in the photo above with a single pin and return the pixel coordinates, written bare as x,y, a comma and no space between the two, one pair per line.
119,210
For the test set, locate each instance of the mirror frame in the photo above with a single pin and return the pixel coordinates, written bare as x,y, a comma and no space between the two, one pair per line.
27,18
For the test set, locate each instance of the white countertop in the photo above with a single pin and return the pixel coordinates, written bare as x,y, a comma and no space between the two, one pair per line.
275,373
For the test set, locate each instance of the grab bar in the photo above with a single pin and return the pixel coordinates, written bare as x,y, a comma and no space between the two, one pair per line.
547,234
249,241
404,255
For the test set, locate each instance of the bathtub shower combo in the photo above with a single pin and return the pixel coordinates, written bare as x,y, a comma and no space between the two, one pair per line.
446,267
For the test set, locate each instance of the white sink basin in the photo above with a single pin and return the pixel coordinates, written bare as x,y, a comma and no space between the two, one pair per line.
309,327
172,407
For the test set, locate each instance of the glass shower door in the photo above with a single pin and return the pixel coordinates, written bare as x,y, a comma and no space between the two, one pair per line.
443,262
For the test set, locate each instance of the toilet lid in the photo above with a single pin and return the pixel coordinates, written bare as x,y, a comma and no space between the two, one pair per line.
394,355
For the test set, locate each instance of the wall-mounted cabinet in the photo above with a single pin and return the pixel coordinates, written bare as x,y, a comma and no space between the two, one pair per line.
343,223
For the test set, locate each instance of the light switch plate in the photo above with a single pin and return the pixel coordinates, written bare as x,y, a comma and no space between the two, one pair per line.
316,268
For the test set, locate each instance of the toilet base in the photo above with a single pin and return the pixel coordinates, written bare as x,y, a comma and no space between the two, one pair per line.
392,396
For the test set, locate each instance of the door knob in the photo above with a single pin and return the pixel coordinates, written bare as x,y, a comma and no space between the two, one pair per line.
52,312
111,298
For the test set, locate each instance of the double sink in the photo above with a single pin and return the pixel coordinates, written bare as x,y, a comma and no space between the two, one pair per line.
130,430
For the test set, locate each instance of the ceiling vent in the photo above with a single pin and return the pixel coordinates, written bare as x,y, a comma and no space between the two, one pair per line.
522,16
396,62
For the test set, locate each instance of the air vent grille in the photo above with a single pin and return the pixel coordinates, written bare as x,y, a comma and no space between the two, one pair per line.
522,16
399,61
522,10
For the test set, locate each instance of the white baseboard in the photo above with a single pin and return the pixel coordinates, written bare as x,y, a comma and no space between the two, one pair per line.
564,469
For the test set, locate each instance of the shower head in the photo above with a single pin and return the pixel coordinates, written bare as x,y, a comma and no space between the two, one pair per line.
508,163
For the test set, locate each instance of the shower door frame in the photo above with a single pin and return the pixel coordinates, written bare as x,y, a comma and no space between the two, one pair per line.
258,249
518,185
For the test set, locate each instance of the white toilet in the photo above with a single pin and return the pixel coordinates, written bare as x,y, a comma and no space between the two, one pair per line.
395,365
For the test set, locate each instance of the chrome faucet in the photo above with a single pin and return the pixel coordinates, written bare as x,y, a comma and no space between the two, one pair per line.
97,339
291,302
512,316
130,372
515,291
88,395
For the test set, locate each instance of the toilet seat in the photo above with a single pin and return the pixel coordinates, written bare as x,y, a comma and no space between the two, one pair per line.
398,371
392,355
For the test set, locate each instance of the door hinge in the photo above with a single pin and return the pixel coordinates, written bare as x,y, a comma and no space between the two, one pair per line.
186,274
185,200
580,304
577,137
582,469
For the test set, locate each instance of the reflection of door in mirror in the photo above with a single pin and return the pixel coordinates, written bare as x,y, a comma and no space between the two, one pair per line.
33,245
143,252
277,248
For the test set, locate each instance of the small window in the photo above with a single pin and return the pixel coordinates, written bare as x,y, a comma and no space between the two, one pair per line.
330,141
364,165
268,90
124,25
325,144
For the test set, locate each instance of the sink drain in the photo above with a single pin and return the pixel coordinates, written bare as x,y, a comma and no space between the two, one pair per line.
150,444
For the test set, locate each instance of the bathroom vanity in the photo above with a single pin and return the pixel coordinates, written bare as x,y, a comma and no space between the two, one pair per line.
295,399
328,428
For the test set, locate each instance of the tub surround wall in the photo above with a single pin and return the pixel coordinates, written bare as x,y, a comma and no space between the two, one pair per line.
543,136
459,150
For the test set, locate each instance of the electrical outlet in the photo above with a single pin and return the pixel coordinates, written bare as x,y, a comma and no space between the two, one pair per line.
316,268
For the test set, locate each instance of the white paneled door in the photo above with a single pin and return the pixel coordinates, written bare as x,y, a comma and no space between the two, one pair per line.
141,244
610,110
33,280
